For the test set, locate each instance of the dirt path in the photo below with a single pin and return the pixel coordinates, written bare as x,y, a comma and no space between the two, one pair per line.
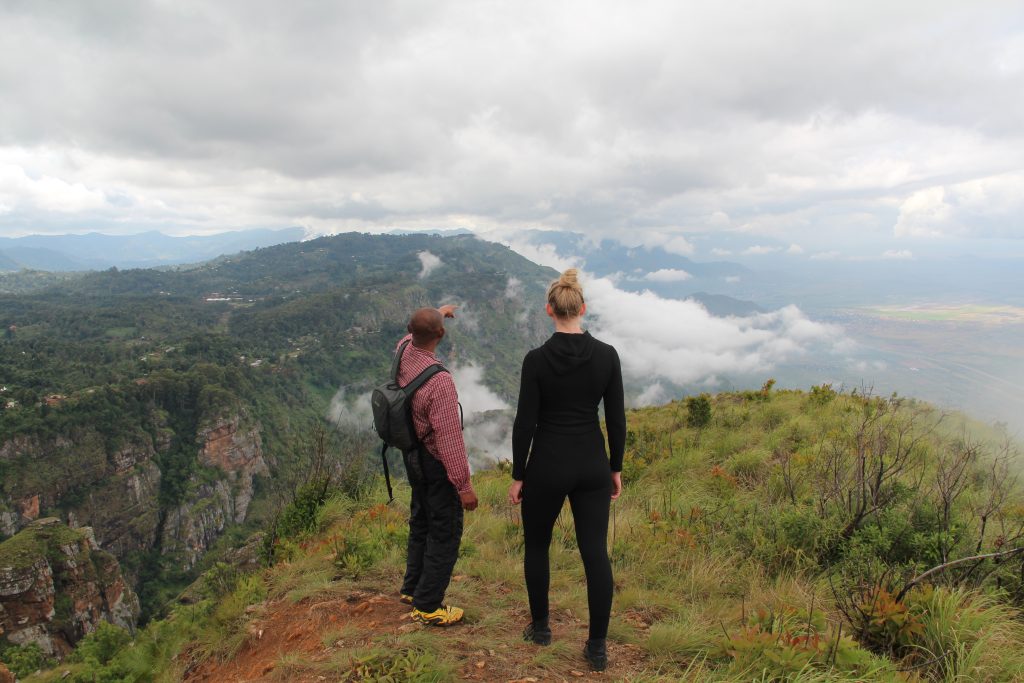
306,641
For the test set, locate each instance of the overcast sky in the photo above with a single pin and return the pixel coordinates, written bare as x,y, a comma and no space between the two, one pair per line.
815,123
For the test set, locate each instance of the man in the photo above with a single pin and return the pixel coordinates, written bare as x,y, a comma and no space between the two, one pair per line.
438,474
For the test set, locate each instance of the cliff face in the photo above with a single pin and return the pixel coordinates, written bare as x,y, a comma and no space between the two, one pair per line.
233,447
116,490
112,489
56,585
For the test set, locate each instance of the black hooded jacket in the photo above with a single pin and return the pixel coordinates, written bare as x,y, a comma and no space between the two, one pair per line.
562,384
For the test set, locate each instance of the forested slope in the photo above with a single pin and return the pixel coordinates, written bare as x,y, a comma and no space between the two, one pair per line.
151,404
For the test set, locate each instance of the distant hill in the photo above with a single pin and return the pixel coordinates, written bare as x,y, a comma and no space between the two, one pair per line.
96,251
722,305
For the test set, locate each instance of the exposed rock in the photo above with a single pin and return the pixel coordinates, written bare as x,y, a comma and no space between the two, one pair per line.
113,484
29,507
235,448
191,528
56,586
124,509
78,475
8,523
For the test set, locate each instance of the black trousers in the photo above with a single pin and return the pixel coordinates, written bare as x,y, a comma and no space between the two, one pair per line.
435,530
574,466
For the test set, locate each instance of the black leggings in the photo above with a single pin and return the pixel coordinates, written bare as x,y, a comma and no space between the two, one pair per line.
573,465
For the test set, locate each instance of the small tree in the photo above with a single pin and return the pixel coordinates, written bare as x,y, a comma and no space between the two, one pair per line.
698,411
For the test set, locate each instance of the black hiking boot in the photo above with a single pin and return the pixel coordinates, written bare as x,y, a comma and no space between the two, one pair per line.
596,654
538,632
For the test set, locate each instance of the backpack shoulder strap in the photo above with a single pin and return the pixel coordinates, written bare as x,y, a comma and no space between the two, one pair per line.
387,473
421,379
397,360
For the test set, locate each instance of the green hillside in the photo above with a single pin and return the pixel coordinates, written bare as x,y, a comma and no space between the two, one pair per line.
761,536
111,382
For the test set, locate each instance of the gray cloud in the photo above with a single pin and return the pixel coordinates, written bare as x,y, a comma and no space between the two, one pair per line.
787,119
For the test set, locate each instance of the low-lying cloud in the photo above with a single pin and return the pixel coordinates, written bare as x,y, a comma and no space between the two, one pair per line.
430,263
487,418
653,395
667,275
669,341
473,393
682,343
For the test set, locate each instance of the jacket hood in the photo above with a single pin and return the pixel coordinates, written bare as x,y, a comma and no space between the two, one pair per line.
566,352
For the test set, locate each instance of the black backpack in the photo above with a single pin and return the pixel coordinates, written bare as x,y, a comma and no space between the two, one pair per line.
392,411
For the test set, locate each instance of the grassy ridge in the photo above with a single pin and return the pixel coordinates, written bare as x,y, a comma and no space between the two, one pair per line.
773,543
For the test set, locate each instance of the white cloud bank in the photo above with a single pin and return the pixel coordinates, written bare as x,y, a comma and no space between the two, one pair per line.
992,206
680,342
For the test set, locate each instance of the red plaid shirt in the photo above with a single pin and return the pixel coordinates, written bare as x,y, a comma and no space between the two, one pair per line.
435,414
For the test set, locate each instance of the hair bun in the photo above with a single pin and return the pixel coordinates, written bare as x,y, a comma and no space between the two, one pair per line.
569,278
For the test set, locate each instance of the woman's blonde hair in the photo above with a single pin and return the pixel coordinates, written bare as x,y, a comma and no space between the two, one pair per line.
565,295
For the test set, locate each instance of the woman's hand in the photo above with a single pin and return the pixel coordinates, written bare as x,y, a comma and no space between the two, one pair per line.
616,484
515,493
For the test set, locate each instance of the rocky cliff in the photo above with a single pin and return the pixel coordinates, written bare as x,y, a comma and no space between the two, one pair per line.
233,446
115,486
56,585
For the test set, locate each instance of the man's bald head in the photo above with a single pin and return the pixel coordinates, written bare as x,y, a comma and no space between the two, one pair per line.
426,326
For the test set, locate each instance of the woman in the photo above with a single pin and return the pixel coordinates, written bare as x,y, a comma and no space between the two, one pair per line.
557,426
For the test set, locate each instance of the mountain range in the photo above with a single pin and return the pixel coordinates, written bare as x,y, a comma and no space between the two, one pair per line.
97,251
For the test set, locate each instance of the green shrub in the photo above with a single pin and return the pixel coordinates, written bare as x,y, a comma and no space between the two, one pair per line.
101,645
23,660
782,646
376,531
297,518
822,394
698,411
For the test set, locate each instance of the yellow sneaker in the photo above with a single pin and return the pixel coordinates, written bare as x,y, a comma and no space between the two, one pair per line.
405,599
445,615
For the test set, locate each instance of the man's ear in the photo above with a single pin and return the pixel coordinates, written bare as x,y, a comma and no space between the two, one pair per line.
408,328
440,334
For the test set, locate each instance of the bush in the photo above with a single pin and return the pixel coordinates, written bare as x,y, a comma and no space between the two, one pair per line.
297,518
822,394
698,411
24,660
780,646
101,645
